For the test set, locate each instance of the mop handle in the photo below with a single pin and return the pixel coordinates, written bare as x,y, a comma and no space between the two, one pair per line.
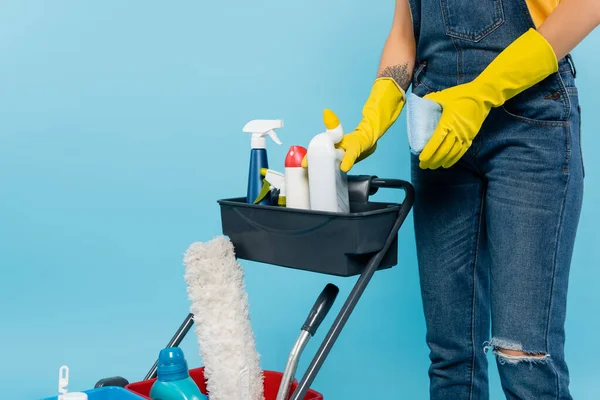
359,287
320,309
315,317
174,342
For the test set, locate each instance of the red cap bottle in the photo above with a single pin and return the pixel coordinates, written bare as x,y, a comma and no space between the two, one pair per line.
294,157
296,179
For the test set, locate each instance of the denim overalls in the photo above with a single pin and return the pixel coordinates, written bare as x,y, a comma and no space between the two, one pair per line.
495,232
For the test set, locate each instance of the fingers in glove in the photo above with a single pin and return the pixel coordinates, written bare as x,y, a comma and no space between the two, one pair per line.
452,154
434,143
348,161
367,153
441,154
455,159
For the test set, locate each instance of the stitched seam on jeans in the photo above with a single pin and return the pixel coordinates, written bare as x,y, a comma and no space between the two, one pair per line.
554,262
565,97
579,138
429,88
440,72
475,259
458,60
535,122
557,379
572,90
473,37
567,133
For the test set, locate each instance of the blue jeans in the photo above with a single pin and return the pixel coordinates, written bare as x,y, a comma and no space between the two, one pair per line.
495,236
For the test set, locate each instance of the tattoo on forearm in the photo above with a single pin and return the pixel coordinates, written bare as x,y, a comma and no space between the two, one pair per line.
398,73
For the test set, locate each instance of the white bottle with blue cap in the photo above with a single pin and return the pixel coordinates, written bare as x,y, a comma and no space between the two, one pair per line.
173,378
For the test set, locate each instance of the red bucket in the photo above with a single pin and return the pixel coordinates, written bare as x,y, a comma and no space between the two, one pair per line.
272,381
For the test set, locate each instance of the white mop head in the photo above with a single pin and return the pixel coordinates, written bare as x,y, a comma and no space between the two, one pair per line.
215,285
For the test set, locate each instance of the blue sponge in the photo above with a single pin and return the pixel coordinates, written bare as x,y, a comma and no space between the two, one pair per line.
422,118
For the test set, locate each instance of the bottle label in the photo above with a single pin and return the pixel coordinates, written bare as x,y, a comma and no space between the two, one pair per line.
341,183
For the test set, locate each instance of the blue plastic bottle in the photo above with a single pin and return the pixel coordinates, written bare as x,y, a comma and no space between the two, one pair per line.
260,129
174,382
258,160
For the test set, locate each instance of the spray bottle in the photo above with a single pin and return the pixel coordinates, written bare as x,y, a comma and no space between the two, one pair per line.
296,179
260,129
328,184
273,181
63,383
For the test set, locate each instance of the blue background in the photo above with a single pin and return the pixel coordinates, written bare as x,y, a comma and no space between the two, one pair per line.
120,127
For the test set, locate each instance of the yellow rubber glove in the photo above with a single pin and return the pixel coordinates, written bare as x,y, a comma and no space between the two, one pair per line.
525,62
380,111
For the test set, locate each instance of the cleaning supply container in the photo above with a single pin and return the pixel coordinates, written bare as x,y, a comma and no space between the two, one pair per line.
359,242
272,381
318,241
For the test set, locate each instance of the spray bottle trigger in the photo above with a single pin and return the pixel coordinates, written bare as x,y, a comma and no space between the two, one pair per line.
274,137
266,188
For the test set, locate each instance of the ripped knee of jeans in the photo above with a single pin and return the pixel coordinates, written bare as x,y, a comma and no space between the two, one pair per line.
509,352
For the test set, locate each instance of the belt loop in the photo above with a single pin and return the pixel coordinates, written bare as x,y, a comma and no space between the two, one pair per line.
418,71
572,64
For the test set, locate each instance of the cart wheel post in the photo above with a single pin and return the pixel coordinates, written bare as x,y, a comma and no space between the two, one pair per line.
358,288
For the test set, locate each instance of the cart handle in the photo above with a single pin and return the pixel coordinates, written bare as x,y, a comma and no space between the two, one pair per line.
390,183
361,187
409,190
359,287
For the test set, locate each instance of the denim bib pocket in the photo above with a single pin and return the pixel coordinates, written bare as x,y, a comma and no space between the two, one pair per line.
471,20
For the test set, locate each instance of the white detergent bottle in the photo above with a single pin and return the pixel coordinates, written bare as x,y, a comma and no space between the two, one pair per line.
328,184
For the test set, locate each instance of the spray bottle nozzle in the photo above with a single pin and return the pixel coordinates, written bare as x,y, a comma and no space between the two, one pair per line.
272,180
260,128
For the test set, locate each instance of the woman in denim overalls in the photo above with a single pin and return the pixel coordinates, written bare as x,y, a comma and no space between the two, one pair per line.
499,185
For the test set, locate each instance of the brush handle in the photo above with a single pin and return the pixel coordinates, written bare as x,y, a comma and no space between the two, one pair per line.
320,309
174,342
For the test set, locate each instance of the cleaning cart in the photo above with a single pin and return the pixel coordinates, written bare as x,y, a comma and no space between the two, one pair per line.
360,242
357,243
